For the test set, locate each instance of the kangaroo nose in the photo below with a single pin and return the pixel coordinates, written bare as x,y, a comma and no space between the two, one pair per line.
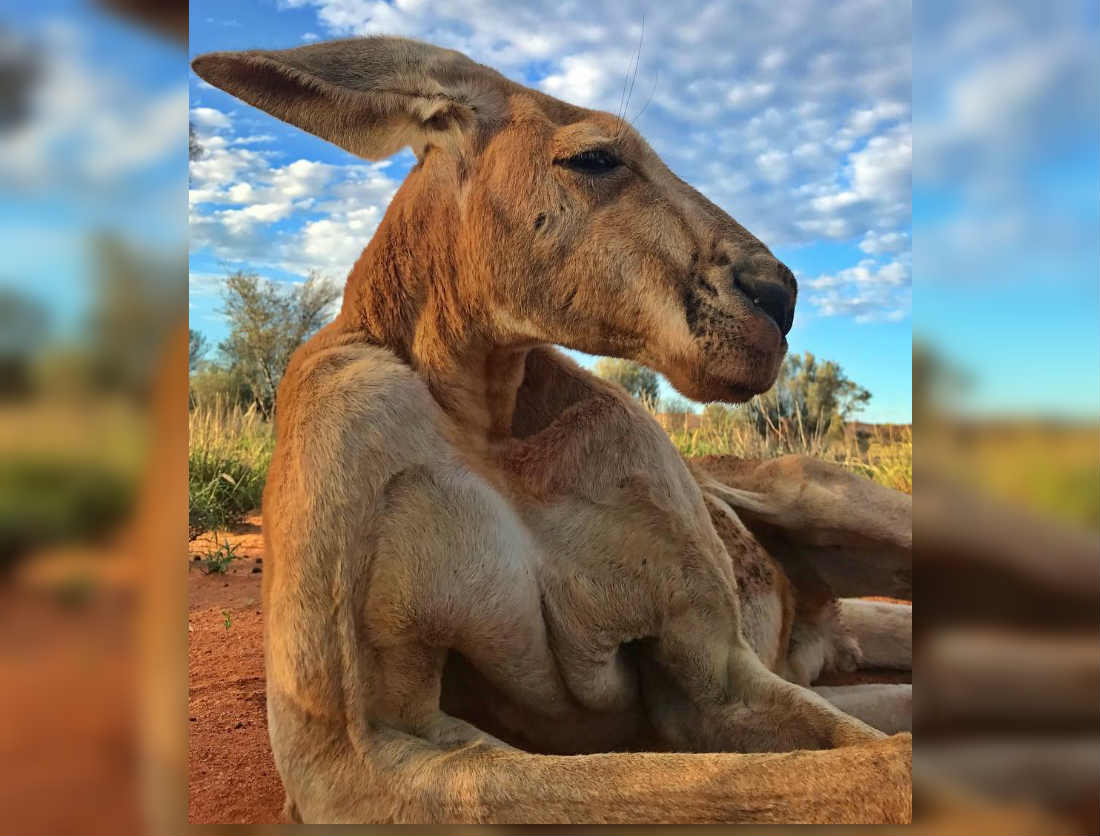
772,288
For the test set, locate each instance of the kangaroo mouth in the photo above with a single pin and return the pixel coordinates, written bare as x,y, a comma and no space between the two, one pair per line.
736,350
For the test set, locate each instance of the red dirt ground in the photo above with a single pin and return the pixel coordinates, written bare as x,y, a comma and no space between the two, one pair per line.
232,773
69,759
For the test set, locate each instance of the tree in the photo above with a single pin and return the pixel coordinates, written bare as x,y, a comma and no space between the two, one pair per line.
212,384
194,149
23,329
672,413
636,379
197,347
267,322
20,72
809,397
138,294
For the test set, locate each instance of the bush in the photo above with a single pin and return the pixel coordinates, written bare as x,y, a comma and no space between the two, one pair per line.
639,381
268,321
217,560
47,500
217,386
816,397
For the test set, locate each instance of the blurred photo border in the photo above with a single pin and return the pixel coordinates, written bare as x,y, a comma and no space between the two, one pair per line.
1006,208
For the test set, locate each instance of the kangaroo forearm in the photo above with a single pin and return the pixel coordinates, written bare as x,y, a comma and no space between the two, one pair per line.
869,783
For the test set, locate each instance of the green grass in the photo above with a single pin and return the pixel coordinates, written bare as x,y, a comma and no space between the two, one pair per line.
69,472
1049,467
47,499
217,560
230,452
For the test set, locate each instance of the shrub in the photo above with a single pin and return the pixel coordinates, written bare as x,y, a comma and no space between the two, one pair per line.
45,500
217,560
639,381
230,452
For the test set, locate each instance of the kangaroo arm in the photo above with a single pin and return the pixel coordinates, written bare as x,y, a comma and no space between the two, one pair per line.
799,787
472,778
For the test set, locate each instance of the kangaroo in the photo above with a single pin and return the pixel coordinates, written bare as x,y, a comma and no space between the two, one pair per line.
494,592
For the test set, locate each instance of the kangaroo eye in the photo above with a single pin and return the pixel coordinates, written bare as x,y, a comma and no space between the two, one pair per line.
596,161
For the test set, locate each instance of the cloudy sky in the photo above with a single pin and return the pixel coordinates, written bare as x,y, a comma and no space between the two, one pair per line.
102,149
794,117
1005,195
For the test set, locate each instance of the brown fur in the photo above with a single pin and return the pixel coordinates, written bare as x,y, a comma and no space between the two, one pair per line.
474,544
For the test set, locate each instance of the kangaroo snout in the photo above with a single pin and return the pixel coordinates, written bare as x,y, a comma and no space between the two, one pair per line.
770,287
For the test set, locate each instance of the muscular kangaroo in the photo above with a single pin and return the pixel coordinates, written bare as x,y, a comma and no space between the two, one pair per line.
493,591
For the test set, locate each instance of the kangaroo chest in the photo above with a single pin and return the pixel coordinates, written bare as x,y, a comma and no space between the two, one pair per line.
614,519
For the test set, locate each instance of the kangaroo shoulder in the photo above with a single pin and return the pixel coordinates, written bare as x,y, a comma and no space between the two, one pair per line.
354,411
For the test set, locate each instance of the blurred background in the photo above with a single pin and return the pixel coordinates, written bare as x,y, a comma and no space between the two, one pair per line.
1006,394
93,225
94,405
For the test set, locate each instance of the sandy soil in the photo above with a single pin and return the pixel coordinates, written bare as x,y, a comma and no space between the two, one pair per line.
232,773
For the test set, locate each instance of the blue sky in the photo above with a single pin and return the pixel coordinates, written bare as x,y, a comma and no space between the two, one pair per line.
1007,117
104,150
801,131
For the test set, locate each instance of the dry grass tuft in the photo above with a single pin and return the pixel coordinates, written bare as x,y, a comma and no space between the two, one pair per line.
881,453
230,452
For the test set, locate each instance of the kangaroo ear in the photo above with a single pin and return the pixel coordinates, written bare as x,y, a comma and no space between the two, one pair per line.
371,96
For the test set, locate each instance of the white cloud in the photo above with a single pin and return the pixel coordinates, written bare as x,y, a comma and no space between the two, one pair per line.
880,172
241,220
88,127
255,139
1008,103
773,165
864,121
878,243
1015,111
871,291
337,241
208,117
773,59
744,95
240,193
247,209
301,178
583,80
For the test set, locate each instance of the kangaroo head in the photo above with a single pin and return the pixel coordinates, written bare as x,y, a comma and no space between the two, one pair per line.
542,221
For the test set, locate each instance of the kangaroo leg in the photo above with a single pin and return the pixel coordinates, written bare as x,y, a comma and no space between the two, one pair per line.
888,708
857,534
883,630
704,686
